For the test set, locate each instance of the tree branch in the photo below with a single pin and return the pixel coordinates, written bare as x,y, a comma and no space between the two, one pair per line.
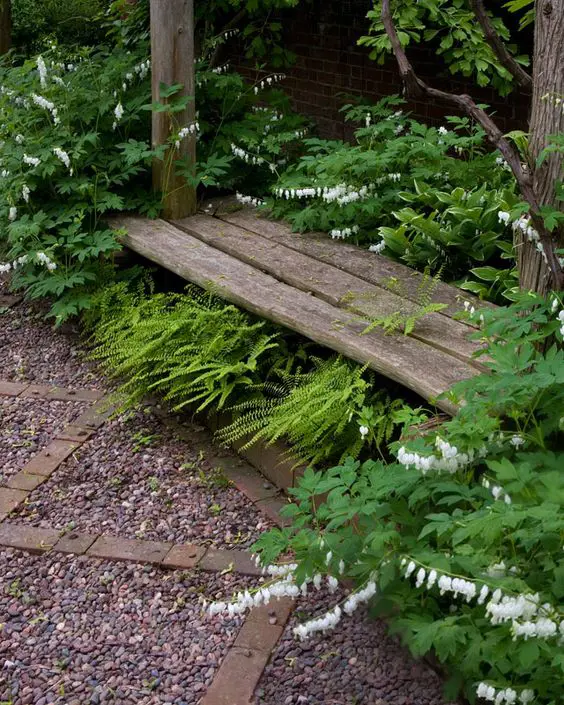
417,88
498,46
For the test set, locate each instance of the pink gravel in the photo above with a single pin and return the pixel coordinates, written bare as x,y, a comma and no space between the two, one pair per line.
81,631
26,427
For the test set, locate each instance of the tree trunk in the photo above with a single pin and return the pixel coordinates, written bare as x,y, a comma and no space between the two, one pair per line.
547,118
5,26
172,61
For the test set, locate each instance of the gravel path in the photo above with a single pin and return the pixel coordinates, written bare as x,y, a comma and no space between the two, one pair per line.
81,631
31,350
134,479
27,426
357,663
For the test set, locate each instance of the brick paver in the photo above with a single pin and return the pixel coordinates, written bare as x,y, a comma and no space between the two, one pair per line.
25,481
63,394
49,459
237,678
27,538
10,498
118,549
217,560
74,542
12,389
78,434
184,556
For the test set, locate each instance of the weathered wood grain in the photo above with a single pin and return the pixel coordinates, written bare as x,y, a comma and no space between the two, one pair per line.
373,268
418,366
172,62
329,283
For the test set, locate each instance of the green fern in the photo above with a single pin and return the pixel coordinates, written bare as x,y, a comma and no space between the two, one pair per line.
316,412
192,349
409,314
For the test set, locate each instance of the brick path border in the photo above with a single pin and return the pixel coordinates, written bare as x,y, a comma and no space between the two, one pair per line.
242,667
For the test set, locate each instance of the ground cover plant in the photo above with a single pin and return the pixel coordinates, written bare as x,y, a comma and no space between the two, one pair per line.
202,355
425,195
459,539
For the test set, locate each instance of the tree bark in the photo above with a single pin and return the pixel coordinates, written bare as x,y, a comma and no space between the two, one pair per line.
172,61
547,118
538,271
5,26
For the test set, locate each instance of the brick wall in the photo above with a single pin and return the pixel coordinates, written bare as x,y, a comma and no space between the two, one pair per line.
324,33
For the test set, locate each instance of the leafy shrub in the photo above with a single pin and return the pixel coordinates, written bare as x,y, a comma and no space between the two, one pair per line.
454,232
205,355
70,154
462,537
76,145
74,22
359,191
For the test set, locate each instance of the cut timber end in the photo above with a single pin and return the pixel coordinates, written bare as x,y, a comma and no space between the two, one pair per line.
280,295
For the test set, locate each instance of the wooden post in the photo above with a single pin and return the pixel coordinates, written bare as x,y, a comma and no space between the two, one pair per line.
172,60
5,26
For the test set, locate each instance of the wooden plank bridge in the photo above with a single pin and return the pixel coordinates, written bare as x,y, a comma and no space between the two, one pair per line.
325,290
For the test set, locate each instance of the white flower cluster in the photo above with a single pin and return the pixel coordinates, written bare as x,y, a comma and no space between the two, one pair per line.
246,156
31,161
337,234
500,161
42,70
13,214
4,173
19,139
40,258
524,225
46,105
118,113
507,695
249,200
528,618
269,81
63,157
498,492
221,69
341,193
331,618
141,70
456,586
554,99
378,247
442,130
450,459
285,586
561,321
25,193
191,129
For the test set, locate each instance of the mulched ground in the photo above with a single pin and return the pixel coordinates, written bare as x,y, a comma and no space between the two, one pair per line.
134,479
81,631
31,350
27,426
357,663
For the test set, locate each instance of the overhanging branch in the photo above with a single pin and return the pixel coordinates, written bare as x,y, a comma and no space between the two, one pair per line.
417,88
498,46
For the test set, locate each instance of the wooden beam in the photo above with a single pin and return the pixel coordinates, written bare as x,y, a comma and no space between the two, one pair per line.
421,367
172,61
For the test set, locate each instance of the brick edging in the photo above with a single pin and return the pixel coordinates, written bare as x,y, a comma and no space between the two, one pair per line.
242,667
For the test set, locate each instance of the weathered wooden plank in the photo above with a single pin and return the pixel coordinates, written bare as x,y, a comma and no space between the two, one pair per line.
329,283
418,366
373,268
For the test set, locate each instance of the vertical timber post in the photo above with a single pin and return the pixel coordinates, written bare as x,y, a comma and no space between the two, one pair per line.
5,26
172,61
